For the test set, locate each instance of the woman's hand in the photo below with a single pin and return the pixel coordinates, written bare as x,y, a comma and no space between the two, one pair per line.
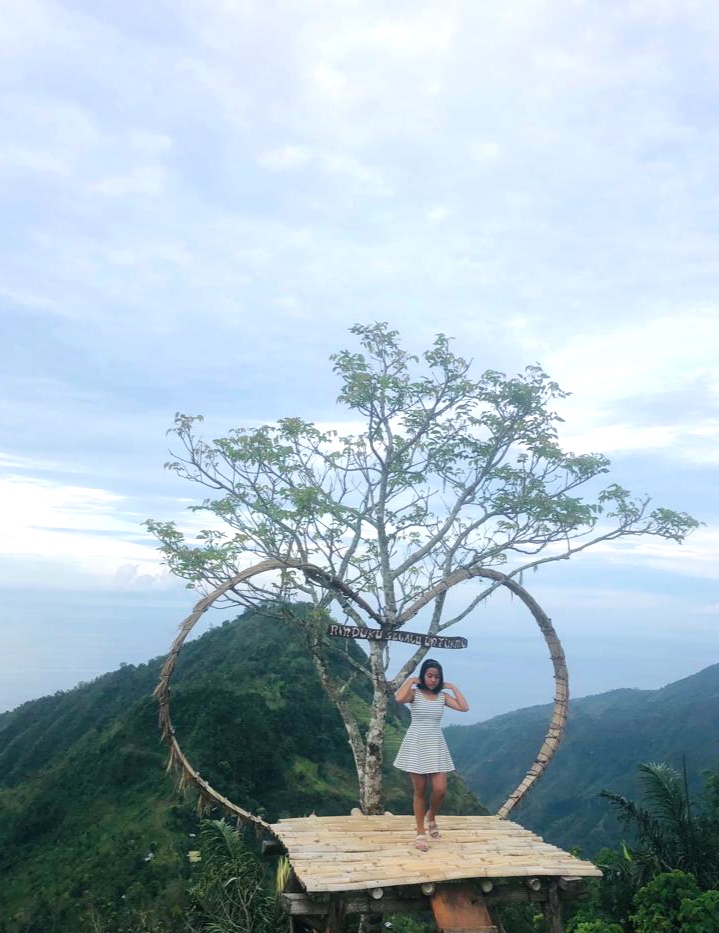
405,694
458,701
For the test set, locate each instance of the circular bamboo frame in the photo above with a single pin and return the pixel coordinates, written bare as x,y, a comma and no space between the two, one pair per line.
188,775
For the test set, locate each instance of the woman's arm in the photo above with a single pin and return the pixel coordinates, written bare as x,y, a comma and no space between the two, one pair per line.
457,701
405,694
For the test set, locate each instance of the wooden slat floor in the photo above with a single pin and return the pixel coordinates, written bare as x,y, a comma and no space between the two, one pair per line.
355,853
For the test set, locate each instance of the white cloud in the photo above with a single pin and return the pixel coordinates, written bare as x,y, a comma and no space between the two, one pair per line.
619,360
27,298
711,609
696,442
416,35
328,80
284,158
420,34
60,534
485,150
534,178
696,557
613,612
34,160
349,167
437,214
29,28
145,180
598,597
149,144
33,465
613,371
48,133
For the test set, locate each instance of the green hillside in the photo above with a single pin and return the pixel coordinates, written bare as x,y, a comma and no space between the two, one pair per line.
90,824
607,735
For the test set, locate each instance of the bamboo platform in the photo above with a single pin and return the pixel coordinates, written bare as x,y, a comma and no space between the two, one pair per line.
361,853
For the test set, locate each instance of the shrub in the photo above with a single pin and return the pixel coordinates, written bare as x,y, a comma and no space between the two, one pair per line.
659,902
700,914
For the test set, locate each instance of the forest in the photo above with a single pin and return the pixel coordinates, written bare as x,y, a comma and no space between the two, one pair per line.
94,835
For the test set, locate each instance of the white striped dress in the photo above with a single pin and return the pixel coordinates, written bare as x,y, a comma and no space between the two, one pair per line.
424,749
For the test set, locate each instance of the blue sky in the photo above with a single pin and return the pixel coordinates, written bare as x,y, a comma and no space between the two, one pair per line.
199,198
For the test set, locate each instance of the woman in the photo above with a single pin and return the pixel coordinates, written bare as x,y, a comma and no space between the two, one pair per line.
424,753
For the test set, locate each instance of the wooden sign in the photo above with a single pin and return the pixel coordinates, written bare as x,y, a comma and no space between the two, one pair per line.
407,638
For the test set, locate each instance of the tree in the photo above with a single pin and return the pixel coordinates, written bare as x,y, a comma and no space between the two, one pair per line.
451,478
672,834
700,914
659,903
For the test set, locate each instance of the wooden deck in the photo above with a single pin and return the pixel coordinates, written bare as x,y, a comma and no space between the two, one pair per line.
358,853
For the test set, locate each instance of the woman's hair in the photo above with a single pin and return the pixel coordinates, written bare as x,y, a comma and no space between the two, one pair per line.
430,662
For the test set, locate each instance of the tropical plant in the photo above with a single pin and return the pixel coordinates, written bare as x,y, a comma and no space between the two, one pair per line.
449,478
710,797
597,926
700,914
671,834
659,903
614,894
232,893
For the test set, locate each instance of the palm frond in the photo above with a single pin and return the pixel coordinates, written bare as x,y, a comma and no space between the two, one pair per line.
663,790
647,828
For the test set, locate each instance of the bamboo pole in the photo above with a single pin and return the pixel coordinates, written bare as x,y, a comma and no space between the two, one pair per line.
557,722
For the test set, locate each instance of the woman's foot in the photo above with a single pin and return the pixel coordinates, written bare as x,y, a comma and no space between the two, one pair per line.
420,842
432,828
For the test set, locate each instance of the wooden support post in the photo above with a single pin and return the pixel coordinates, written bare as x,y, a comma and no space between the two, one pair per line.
460,909
300,925
335,915
553,910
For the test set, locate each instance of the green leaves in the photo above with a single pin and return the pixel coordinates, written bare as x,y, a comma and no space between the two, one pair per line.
660,902
449,471
596,926
700,914
232,892
671,832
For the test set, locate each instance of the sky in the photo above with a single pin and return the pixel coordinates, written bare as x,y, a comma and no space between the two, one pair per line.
199,198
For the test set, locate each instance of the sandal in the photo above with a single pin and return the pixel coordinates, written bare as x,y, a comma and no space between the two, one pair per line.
420,842
432,828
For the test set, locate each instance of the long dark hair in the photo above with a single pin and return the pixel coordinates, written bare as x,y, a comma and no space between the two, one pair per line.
430,662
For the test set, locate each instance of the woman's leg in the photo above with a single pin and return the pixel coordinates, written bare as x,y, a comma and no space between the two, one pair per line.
419,787
439,792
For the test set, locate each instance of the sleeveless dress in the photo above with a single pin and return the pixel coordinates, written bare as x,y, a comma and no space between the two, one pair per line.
424,749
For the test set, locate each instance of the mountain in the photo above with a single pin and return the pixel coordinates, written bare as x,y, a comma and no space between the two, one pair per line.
92,827
607,736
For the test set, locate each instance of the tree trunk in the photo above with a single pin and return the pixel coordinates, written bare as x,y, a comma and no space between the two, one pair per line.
354,735
371,786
